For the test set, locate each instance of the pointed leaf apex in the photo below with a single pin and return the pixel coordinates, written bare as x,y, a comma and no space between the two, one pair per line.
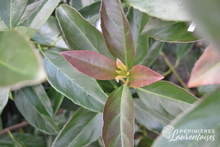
121,65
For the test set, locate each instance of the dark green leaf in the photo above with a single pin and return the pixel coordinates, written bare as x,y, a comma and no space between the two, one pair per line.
182,49
171,10
149,118
19,61
118,119
206,89
79,88
40,121
83,128
91,12
38,99
145,142
77,4
206,18
37,13
117,32
203,115
166,98
168,31
153,53
11,11
56,99
79,33
4,93
17,142
137,21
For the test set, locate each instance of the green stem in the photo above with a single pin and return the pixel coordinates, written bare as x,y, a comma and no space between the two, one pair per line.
174,71
169,71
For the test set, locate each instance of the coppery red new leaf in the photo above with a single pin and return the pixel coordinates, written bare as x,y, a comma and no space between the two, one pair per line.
142,76
92,64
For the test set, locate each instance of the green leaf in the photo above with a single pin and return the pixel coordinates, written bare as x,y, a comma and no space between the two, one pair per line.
19,61
117,32
3,26
166,98
78,33
40,121
37,13
17,142
56,99
170,10
152,120
77,4
49,34
83,128
5,141
11,11
91,12
206,68
38,99
92,64
118,129
4,93
205,16
142,76
153,53
168,31
203,115
79,88
27,31
182,49
137,21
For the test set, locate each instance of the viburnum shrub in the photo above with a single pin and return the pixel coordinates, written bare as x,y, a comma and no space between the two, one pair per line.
145,78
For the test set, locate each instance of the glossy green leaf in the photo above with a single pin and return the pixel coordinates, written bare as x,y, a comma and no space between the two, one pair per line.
145,142
4,93
38,99
91,12
11,11
42,122
118,129
168,31
27,31
149,118
153,53
37,13
92,64
117,32
3,26
79,88
19,61
5,141
206,69
203,115
205,15
170,10
166,98
142,76
79,33
206,89
49,34
77,4
56,99
83,128
17,142
182,49
137,21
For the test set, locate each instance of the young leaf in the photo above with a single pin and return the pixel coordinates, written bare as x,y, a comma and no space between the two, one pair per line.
92,64
79,88
142,76
117,32
137,21
149,118
170,10
19,61
42,122
168,31
83,128
166,98
207,69
11,11
79,33
203,115
4,93
118,129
